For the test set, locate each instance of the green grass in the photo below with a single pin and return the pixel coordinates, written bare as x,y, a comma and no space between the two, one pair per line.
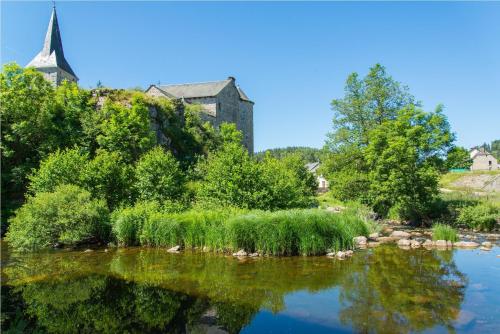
444,232
287,232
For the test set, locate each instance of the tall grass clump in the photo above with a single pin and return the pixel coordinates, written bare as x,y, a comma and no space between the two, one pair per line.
286,232
444,232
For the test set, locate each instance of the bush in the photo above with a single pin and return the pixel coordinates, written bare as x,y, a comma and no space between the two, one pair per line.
444,232
483,216
67,216
127,222
158,176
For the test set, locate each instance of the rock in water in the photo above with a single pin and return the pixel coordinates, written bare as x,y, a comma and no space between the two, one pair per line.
487,244
441,243
174,249
404,243
360,241
466,244
241,252
414,244
340,255
428,243
400,234
374,236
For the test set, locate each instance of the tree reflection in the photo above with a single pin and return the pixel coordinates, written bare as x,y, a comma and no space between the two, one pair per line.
397,291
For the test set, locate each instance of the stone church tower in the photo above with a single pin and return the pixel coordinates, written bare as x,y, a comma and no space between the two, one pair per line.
50,61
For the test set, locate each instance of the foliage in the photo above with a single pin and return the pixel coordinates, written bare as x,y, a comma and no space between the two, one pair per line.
68,216
125,130
288,183
384,151
307,232
444,232
457,158
106,176
482,217
158,176
230,178
309,154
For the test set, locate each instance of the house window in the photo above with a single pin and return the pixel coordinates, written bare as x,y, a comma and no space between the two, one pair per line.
489,163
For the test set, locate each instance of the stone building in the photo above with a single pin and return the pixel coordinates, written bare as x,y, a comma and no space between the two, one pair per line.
221,101
51,61
483,160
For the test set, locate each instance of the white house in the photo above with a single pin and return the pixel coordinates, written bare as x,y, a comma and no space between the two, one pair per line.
483,160
322,182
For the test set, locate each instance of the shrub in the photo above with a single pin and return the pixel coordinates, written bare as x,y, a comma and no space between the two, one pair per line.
483,216
444,232
60,167
158,176
68,216
127,222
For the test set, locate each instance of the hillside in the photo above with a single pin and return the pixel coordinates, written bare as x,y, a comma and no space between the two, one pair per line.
481,183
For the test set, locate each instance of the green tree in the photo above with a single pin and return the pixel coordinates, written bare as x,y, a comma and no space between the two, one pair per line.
126,131
158,176
457,157
400,156
287,182
367,103
230,178
68,216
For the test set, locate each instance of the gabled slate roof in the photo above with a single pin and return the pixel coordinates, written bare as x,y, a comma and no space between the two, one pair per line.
192,90
199,89
52,54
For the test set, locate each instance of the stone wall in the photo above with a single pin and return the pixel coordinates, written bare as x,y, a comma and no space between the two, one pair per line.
484,162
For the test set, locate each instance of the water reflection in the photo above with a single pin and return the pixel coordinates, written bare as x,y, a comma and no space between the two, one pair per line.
148,290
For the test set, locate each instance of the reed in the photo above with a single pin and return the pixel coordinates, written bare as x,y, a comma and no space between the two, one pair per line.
444,232
279,233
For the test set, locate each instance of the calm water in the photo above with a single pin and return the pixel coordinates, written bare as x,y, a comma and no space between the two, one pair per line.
381,290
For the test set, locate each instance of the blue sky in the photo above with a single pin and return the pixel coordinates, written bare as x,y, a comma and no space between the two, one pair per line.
291,58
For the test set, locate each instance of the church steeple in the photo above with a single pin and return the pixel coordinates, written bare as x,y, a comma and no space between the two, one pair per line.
51,60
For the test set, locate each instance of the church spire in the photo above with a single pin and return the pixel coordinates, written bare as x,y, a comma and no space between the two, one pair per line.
51,59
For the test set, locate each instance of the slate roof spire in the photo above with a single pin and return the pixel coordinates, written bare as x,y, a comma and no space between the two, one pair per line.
52,54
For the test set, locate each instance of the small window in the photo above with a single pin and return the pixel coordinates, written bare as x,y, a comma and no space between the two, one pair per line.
489,162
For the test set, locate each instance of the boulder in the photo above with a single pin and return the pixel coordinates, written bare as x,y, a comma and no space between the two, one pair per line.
359,241
493,236
441,243
385,240
373,236
341,255
466,244
404,243
487,244
349,253
174,249
428,243
414,244
400,235
241,252
331,254
253,254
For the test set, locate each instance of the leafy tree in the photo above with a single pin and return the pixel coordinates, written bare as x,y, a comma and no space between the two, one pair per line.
230,178
495,148
367,103
400,157
126,131
457,157
309,154
158,176
287,182
68,216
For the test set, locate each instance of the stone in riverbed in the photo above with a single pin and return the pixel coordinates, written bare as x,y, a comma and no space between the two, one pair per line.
349,253
373,236
414,244
174,249
466,244
493,236
487,244
331,254
404,243
441,243
253,254
341,255
360,241
428,243
400,234
385,240
239,253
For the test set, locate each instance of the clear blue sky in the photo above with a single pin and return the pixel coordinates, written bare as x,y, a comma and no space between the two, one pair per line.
292,59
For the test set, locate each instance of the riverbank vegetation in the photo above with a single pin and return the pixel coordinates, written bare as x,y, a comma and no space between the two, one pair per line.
444,232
